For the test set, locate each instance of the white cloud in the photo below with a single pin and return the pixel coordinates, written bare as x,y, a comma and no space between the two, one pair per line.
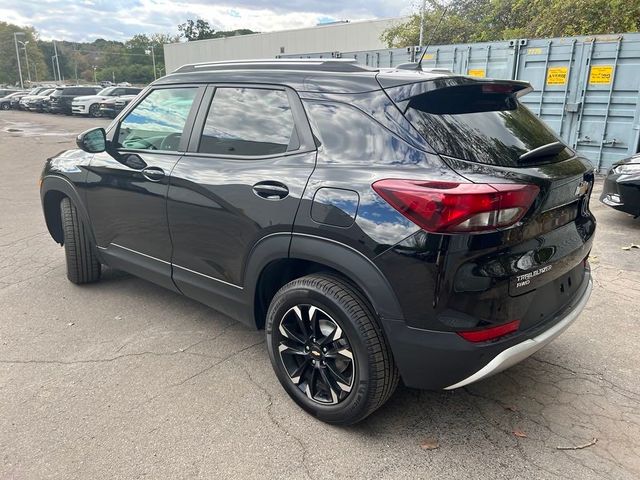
120,19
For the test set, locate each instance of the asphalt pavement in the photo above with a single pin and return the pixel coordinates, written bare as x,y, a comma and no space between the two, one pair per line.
125,380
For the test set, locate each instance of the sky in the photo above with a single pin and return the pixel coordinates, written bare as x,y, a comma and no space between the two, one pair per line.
87,20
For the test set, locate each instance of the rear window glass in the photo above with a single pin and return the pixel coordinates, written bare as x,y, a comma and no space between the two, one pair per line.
249,122
481,126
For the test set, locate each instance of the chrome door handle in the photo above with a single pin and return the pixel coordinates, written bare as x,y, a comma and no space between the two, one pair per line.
271,190
154,174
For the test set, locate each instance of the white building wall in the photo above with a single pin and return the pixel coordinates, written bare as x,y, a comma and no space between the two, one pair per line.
324,38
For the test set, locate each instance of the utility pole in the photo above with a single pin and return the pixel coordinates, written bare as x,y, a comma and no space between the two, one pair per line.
424,6
75,57
55,49
15,40
53,67
153,57
95,79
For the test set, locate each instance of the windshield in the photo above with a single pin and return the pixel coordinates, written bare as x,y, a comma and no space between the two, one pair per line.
479,124
106,92
35,91
47,92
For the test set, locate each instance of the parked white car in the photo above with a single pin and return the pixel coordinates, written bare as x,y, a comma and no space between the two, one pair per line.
90,104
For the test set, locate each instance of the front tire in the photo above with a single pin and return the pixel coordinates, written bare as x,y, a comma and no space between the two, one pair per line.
82,263
94,110
5,106
328,350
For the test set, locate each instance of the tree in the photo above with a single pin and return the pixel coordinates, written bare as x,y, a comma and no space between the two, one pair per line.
196,30
8,61
488,20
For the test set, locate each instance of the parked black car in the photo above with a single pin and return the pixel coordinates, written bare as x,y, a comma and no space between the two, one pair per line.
113,106
377,224
62,97
12,100
622,186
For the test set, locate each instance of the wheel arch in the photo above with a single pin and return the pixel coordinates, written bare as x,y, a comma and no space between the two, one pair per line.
52,191
270,267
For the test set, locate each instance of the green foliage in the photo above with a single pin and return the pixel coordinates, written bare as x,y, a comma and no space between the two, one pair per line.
109,60
196,30
201,30
487,20
9,63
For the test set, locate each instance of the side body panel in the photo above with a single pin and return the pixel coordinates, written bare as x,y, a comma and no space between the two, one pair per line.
217,216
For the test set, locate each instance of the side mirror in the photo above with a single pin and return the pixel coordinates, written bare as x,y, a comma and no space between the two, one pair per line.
93,141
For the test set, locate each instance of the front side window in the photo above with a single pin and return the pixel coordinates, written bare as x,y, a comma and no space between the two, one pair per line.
249,122
157,122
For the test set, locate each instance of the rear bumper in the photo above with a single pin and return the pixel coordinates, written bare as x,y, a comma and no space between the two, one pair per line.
519,352
434,360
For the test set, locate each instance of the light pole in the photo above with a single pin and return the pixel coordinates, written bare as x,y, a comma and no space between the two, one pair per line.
26,56
15,40
153,59
95,79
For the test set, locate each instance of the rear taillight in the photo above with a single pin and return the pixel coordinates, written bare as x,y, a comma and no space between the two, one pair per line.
491,333
449,207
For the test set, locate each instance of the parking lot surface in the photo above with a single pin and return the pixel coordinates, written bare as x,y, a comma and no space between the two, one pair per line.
122,379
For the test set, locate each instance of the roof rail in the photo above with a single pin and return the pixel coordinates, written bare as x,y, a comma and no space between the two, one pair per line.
342,65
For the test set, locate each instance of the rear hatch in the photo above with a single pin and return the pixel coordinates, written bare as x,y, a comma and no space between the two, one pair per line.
481,130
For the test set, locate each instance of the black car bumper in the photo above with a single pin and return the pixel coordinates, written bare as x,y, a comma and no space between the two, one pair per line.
444,360
622,192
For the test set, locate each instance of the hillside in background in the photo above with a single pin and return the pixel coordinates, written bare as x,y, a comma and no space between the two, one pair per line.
83,62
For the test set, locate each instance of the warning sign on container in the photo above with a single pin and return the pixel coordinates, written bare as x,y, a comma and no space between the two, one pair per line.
557,75
601,74
477,72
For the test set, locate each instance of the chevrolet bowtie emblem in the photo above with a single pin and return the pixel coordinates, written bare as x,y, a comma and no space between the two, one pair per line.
582,188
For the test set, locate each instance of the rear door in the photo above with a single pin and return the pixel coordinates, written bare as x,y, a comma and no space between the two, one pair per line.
249,158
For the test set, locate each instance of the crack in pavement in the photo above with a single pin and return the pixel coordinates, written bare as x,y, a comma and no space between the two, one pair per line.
277,424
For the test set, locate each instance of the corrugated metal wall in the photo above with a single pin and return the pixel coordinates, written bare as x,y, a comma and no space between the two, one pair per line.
586,88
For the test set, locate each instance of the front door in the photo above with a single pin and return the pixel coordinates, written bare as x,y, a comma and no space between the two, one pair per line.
249,159
127,185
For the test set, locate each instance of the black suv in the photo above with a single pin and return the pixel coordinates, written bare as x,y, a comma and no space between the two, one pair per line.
378,224
62,97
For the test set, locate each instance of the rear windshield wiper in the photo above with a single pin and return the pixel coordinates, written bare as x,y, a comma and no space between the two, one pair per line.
547,150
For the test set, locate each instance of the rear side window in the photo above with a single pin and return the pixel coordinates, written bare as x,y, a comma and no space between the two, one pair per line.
157,122
249,122
480,124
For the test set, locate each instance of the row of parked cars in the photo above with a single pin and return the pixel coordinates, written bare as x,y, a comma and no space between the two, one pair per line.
90,100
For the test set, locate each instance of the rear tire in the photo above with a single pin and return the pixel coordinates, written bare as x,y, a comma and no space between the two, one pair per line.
82,263
312,363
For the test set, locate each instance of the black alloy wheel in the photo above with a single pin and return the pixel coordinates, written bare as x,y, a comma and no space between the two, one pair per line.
316,354
328,349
